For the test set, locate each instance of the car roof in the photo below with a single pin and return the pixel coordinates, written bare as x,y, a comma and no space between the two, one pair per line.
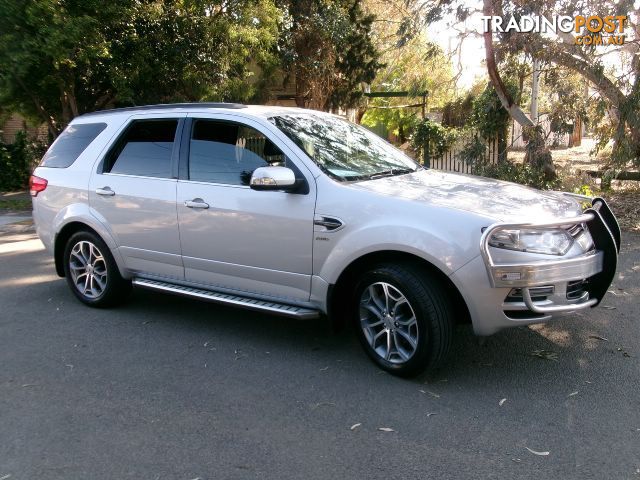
248,110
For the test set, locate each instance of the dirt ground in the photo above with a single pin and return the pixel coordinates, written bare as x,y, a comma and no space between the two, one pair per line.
576,158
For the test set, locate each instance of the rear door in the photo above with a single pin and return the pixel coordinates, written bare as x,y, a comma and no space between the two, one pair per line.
133,192
233,237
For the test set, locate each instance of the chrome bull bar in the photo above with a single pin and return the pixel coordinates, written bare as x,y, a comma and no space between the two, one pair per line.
598,265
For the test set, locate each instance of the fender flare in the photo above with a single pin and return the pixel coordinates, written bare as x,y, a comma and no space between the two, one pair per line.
79,213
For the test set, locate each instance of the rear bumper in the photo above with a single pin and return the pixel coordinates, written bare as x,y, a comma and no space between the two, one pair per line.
534,292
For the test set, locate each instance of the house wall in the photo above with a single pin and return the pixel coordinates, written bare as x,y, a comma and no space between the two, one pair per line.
17,122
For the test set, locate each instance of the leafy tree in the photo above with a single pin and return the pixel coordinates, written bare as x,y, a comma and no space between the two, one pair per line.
619,88
418,66
414,65
326,45
60,58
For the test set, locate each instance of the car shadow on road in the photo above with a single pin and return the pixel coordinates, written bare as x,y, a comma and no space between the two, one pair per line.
521,352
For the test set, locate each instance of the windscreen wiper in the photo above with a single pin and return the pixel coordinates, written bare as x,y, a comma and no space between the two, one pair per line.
390,173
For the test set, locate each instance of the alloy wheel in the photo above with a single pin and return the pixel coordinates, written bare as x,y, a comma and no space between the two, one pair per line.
88,269
388,322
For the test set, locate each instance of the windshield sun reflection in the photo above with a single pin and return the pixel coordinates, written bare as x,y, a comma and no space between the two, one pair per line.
343,150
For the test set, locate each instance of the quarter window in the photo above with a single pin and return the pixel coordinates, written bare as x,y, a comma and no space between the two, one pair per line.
144,150
228,153
71,143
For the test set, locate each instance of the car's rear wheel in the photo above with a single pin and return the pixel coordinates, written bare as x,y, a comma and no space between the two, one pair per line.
92,273
404,319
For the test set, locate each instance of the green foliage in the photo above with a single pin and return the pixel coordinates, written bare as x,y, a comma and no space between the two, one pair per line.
439,138
458,112
523,173
563,98
62,58
327,46
473,150
488,116
15,204
399,121
584,190
17,160
414,66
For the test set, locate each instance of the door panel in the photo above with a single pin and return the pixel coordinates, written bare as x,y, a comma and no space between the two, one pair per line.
137,204
247,240
143,220
253,241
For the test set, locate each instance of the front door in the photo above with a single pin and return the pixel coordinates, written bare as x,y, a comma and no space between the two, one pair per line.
233,237
133,192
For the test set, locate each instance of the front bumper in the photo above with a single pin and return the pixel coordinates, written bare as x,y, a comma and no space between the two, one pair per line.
544,289
597,267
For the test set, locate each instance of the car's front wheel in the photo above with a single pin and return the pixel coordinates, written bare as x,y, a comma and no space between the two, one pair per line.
91,271
404,319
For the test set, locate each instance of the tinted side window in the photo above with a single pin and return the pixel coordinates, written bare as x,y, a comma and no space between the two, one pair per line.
226,152
71,143
144,149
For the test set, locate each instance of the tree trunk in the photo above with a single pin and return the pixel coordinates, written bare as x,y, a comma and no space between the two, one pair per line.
537,152
535,87
51,125
492,69
73,103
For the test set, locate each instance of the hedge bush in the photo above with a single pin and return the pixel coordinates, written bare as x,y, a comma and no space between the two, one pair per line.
17,161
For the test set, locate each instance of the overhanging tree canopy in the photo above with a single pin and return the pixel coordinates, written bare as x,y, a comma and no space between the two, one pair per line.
60,58
619,87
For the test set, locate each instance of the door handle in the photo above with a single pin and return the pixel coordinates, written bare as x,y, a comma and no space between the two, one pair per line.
196,203
105,191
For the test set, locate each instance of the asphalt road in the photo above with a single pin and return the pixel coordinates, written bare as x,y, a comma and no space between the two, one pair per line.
169,388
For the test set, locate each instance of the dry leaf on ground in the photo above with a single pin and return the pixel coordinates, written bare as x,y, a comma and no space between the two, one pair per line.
535,452
598,337
427,392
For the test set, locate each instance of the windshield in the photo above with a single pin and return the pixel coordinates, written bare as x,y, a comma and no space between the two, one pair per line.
343,150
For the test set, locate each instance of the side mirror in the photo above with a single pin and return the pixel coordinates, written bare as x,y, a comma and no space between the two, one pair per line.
274,178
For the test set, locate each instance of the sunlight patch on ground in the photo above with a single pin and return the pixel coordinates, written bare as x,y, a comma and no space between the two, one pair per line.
27,280
23,247
554,335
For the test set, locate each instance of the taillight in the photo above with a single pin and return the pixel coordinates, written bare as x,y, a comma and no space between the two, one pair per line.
36,185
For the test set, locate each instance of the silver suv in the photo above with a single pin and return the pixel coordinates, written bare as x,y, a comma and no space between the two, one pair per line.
300,213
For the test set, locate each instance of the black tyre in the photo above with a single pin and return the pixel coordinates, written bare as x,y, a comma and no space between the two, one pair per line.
92,273
404,320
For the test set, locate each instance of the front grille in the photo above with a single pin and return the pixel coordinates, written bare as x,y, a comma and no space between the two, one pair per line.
523,314
576,289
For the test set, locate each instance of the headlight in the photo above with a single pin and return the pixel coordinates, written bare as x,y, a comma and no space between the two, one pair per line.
550,242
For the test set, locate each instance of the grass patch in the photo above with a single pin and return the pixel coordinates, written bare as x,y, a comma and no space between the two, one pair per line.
15,204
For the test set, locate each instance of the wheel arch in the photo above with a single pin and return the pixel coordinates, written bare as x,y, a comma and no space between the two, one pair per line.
340,291
63,236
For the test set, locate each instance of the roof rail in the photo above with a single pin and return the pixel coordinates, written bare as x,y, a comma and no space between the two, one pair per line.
168,106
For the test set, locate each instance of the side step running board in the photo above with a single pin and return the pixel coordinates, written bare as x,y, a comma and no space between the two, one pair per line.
226,299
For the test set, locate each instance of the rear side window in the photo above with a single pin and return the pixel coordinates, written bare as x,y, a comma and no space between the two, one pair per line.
144,149
70,144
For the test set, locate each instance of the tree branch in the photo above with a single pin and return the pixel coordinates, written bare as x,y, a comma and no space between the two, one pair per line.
492,69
